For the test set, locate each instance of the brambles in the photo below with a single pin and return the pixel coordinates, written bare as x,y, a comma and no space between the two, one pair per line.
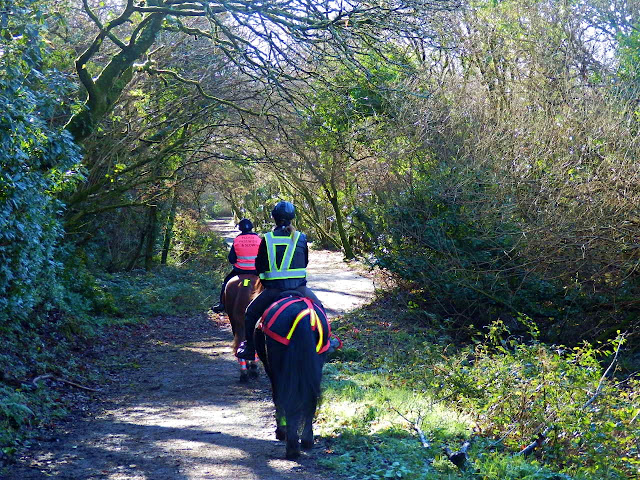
500,393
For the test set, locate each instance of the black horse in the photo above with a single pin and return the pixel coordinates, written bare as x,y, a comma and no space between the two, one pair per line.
292,340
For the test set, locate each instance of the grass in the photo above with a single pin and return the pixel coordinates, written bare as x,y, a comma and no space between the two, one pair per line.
398,371
166,290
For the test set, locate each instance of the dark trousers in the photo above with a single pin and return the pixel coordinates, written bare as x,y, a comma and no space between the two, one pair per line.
233,273
259,304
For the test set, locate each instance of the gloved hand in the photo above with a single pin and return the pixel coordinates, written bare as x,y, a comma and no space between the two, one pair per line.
334,344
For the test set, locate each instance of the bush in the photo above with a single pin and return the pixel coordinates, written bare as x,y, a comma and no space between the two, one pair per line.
466,249
166,290
469,268
37,161
193,242
500,393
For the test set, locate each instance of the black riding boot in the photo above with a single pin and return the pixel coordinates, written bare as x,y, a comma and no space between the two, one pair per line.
246,350
219,308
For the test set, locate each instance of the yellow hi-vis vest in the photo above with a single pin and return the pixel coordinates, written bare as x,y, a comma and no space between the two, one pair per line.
284,270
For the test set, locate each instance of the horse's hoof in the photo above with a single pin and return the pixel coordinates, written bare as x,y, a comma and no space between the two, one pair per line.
306,444
244,378
292,453
280,434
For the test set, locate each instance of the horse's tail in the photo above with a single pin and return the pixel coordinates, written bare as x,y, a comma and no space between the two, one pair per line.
301,373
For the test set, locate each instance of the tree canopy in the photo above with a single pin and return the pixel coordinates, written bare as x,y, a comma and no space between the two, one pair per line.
498,137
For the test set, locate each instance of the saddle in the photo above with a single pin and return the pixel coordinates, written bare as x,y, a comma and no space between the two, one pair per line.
283,316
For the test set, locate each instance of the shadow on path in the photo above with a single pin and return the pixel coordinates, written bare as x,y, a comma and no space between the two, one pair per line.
180,413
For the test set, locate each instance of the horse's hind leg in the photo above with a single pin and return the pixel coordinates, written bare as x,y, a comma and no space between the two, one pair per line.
293,441
307,433
253,368
307,427
281,425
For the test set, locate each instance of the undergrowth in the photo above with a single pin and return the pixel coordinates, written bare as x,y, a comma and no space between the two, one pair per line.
396,378
60,341
164,291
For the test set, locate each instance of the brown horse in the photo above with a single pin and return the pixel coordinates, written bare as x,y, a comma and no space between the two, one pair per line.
238,293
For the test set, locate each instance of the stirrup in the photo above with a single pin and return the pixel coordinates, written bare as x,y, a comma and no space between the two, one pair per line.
219,308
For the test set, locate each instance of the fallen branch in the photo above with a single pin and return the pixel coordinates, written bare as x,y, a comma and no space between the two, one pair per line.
538,442
416,426
49,376
459,458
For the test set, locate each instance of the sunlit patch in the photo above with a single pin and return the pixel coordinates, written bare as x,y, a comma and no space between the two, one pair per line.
194,448
123,472
167,417
368,402
115,442
282,465
207,348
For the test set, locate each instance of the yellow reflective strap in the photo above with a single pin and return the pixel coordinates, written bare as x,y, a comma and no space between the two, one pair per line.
246,282
320,330
314,319
296,321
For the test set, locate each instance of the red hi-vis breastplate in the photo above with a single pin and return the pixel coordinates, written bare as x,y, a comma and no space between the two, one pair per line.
282,318
246,248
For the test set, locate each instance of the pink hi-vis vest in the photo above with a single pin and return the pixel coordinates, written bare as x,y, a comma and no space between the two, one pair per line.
246,248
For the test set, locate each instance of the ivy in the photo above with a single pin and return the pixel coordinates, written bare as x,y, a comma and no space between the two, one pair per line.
37,158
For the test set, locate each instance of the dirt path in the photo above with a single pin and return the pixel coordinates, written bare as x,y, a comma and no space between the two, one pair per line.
173,407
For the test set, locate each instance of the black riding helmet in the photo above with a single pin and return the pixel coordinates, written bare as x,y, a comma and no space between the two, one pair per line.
284,212
245,225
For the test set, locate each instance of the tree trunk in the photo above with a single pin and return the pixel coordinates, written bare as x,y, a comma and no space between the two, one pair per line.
104,91
235,209
152,225
346,245
136,255
168,231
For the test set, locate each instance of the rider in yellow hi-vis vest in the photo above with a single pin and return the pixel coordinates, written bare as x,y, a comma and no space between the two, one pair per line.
284,270
282,259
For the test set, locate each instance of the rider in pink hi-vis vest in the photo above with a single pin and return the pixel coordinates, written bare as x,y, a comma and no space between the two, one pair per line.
245,247
242,256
